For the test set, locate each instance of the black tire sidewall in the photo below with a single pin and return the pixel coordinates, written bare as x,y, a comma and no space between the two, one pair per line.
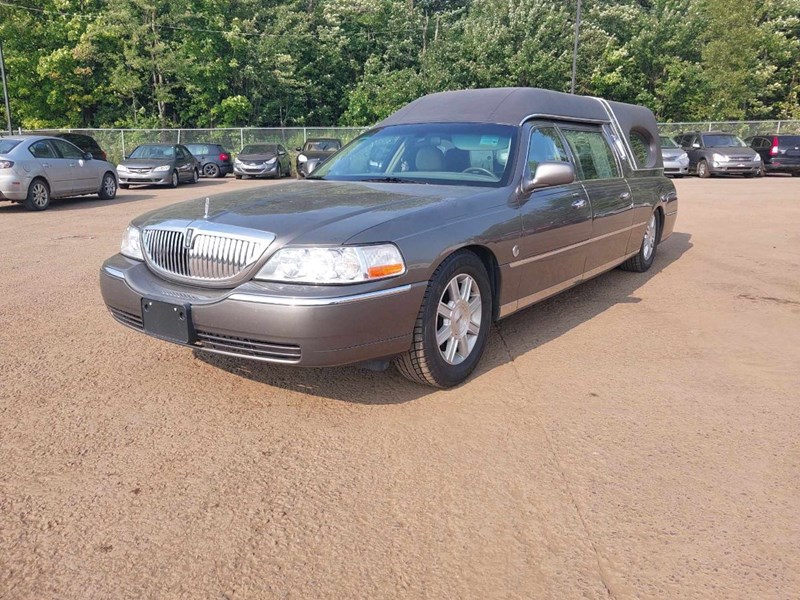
29,204
103,195
447,375
648,263
175,181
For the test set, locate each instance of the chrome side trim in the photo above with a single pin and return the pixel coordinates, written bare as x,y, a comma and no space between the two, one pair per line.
531,259
285,301
561,118
607,266
114,272
669,214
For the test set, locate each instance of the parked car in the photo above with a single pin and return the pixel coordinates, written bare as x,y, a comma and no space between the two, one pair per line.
262,160
158,164
35,169
313,152
676,160
85,142
716,152
779,153
214,160
458,210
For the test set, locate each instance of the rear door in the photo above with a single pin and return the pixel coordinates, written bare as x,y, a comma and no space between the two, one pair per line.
84,176
611,199
556,223
56,170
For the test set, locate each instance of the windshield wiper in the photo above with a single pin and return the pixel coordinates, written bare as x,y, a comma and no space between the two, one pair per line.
391,180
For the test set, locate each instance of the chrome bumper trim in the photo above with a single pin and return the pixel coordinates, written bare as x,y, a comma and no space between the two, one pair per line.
113,272
285,301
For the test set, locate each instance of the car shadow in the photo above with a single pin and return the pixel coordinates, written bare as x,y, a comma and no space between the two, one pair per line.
510,338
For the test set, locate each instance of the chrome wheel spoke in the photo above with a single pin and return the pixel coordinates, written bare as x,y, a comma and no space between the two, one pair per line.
475,306
444,334
445,310
450,351
466,289
458,319
474,328
452,287
463,346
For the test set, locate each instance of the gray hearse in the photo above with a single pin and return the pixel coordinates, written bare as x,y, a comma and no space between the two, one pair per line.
458,210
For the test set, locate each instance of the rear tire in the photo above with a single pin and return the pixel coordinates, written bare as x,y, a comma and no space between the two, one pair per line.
38,195
237,176
108,187
702,170
647,251
210,170
452,326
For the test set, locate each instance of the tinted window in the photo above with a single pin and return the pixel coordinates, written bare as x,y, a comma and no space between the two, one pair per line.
67,150
259,149
84,142
441,153
42,149
321,145
641,149
153,151
545,146
7,145
594,157
788,140
198,149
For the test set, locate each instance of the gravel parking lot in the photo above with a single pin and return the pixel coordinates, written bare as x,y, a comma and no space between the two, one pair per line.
635,437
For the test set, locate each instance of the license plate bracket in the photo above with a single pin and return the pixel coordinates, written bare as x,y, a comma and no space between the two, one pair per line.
168,321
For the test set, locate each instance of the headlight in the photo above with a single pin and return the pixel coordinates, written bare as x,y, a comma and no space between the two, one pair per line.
269,162
301,158
719,157
131,243
122,169
162,168
345,264
237,161
756,158
683,157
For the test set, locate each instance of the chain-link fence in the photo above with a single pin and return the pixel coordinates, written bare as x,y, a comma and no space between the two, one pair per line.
119,142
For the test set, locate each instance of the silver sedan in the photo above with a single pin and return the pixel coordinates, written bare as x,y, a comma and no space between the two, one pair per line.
36,169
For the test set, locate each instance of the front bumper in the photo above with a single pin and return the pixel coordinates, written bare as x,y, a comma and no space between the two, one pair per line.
734,167
676,167
256,171
146,178
306,168
307,326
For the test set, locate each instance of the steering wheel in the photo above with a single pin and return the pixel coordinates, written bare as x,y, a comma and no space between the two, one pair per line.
480,171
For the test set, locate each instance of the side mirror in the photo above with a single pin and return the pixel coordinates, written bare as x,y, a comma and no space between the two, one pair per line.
298,149
695,144
87,156
548,174
126,157
281,153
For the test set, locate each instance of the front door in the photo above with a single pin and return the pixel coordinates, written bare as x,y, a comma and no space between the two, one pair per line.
83,173
609,193
184,163
556,223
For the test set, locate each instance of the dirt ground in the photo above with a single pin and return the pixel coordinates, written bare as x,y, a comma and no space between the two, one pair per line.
635,437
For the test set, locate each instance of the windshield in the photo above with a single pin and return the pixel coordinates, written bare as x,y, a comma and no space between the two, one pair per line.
667,142
722,140
259,149
440,153
7,145
153,152
322,145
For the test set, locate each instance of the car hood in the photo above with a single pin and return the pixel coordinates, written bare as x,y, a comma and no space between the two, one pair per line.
309,212
732,150
145,163
257,157
672,152
319,154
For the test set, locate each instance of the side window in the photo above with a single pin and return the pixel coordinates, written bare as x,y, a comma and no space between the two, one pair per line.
281,149
42,149
592,153
67,150
545,146
179,153
641,149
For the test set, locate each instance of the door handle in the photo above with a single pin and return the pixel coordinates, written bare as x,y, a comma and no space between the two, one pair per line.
625,196
45,164
579,203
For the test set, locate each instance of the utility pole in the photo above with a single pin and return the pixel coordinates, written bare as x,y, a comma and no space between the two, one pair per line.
575,48
5,88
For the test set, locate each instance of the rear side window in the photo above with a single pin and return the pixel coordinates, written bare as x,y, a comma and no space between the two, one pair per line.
545,146
199,149
42,149
7,146
67,150
593,155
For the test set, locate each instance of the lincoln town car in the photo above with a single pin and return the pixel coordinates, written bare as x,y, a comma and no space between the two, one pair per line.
458,210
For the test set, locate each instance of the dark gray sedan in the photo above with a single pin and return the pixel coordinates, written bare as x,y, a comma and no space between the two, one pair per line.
313,152
158,164
458,210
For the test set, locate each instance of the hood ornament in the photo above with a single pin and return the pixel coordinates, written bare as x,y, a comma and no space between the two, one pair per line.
205,212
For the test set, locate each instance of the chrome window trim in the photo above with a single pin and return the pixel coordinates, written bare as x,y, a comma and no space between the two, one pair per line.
294,301
562,118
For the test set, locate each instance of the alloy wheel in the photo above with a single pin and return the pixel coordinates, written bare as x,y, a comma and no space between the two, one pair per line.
650,237
458,321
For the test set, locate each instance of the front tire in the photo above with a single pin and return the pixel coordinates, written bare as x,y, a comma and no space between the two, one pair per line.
647,251
237,176
702,170
108,187
38,195
453,324
174,181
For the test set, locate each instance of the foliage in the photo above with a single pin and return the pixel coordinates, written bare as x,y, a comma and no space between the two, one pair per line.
198,63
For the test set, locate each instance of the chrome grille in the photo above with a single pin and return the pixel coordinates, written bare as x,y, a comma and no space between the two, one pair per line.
211,257
247,348
741,159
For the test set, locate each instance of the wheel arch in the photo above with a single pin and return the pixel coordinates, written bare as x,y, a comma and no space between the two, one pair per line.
489,260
